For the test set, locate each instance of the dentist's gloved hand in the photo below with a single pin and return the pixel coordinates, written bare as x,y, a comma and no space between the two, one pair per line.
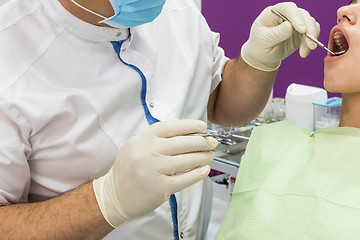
272,40
159,161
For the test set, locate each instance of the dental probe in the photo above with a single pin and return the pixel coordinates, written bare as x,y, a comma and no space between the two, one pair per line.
308,35
224,134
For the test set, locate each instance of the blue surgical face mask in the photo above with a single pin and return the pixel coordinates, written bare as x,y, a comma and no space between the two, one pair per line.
130,13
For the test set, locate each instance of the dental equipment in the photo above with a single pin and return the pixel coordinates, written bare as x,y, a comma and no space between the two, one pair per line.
238,130
225,134
308,35
227,137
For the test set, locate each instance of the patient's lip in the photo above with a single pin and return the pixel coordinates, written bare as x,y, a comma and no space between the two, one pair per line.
330,58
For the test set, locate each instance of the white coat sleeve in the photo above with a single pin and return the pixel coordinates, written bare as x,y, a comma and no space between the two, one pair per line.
219,61
14,168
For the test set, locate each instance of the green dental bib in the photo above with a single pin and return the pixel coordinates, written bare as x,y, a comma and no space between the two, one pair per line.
292,185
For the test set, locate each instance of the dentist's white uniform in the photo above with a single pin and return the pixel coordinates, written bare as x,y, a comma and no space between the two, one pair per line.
67,102
2,2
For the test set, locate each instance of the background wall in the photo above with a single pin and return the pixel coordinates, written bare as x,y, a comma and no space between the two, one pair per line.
233,19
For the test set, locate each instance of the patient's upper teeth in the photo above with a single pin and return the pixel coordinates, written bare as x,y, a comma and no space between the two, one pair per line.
340,43
337,34
337,40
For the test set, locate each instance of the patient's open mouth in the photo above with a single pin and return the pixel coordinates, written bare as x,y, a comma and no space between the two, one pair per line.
340,44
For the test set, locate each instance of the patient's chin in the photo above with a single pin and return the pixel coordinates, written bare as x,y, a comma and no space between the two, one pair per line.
341,87
333,86
333,83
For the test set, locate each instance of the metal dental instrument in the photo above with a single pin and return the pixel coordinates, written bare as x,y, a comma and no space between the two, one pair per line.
308,35
213,133
224,134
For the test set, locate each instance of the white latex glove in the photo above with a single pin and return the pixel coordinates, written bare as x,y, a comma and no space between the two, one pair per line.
151,166
272,40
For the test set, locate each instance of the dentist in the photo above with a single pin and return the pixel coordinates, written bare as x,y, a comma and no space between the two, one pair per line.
96,99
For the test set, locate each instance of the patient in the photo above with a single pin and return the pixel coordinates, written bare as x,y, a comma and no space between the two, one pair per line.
293,184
